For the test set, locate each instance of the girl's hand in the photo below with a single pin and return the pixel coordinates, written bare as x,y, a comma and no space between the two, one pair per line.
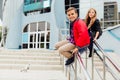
94,39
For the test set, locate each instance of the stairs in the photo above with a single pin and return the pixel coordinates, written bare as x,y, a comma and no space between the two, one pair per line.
98,63
38,59
99,66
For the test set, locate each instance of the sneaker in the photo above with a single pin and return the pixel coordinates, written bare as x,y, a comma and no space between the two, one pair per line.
90,55
95,51
69,61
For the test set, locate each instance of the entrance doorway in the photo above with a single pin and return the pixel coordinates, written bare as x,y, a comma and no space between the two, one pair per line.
37,34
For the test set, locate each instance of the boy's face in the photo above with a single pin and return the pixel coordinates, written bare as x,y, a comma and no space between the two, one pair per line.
72,15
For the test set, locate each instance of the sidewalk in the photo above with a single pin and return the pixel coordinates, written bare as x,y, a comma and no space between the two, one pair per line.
31,75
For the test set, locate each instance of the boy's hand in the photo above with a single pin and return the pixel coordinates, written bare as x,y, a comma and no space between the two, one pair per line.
75,50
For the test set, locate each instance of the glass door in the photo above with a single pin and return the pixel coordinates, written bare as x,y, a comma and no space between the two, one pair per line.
32,41
38,35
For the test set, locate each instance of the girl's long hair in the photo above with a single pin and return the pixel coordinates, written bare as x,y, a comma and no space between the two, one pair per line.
89,22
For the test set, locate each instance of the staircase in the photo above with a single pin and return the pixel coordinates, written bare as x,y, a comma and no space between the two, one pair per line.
98,63
37,59
30,65
100,67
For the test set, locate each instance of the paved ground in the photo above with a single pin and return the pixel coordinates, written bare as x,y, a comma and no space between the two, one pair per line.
31,75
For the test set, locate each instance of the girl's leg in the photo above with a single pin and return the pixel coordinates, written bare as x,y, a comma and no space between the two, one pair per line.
90,47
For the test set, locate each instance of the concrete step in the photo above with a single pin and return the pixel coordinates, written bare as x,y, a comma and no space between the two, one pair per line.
29,57
32,75
98,63
22,61
27,50
38,59
29,53
32,67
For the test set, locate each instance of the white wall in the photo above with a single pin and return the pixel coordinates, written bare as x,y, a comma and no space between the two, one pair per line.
97,4
12,20
0,22
85,5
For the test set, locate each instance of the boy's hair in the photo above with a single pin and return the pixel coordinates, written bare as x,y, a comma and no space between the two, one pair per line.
71,8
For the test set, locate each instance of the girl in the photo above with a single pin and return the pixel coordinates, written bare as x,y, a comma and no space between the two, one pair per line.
93,27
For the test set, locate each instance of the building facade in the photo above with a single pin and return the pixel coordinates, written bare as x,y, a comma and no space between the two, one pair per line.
33,24
111,14
1,9
39,24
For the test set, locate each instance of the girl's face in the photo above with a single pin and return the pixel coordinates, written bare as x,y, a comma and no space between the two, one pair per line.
91,13
72,15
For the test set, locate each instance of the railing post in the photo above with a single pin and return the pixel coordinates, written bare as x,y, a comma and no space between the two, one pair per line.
76,66
93,64
86,58
65,71
104,72
69,73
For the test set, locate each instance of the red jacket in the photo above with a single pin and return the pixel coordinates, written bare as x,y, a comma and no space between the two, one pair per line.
80,33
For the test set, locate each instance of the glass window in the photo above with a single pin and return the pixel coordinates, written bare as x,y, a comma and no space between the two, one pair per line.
41,26
38,0
34,37
76,6
26,2
33,27
47,45
31,46
46,3
74,1
45,6
42,37
38,36
48,37
48,26
31,38
32,1
111,6
67,2
42,45
25,46
46,10
26,28
66,7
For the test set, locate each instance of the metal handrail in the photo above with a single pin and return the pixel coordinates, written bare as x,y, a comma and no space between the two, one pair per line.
77,57
83,66
108,58
84,69
110,62
105,65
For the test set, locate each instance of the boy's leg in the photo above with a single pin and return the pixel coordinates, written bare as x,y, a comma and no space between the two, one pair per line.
65,50
61,43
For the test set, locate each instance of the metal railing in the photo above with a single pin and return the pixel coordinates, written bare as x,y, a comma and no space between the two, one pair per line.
78,60
105,66
73,68
83,66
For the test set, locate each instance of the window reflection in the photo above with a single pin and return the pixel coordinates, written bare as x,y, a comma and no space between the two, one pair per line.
39,7
72,3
